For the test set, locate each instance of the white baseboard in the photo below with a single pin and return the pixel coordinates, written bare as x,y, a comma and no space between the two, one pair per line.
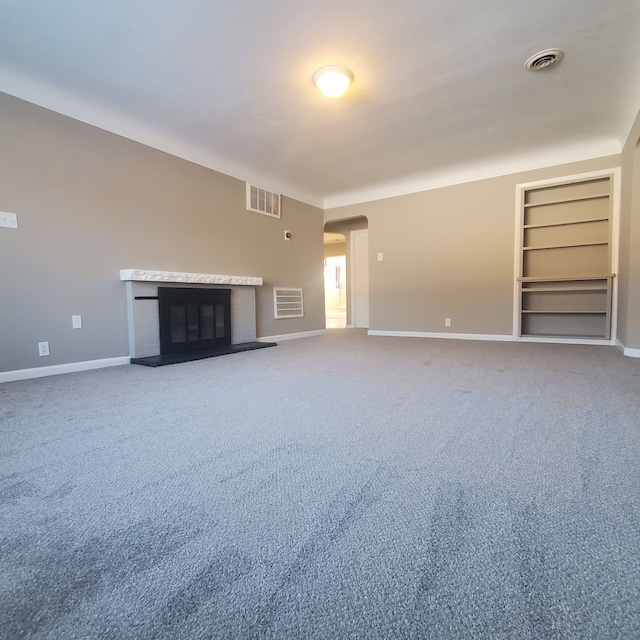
56,369
633,353
630,353
292,336
588,341
450,336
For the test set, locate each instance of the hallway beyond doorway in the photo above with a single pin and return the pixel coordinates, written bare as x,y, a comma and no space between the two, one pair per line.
336,319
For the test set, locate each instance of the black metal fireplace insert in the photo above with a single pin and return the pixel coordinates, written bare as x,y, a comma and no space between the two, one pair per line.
193,319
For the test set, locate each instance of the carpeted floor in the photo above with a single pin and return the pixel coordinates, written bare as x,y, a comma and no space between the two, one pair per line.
342,486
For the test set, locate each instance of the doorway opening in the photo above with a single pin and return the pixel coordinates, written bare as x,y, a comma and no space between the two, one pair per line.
346,275
335,281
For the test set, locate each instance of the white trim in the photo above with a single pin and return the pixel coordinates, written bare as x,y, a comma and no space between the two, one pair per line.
549,340
45,94
615,247
353,235
494,338
627,351
292,336
450,336
615,174
56,369
483,170
576,177
517,260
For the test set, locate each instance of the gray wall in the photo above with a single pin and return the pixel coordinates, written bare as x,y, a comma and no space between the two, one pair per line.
448,253
90,203
629,309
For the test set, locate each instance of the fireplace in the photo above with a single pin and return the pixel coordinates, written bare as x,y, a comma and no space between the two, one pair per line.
193,319
204,315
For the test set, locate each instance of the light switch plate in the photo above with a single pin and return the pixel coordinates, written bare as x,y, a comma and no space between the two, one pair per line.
9,220
76,322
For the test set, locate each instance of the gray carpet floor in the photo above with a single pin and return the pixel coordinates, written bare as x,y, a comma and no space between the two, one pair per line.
343,486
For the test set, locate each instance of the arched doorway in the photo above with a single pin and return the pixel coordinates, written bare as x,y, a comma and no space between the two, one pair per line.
347,273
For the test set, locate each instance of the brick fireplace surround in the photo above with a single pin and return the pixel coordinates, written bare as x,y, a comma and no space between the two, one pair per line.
142,304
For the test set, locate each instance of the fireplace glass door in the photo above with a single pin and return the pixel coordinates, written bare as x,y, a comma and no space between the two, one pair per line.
193,319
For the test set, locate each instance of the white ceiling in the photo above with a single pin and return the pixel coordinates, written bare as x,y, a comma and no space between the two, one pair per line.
440,93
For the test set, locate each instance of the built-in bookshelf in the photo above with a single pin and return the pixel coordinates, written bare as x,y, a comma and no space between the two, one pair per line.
565,280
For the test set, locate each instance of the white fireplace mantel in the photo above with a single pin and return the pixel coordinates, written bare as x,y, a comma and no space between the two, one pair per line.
147,275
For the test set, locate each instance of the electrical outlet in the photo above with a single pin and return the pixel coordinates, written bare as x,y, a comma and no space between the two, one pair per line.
43,348
9,220
380,256
447,322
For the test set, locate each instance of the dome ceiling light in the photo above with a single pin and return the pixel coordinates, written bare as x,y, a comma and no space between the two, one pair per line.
544,59
333,81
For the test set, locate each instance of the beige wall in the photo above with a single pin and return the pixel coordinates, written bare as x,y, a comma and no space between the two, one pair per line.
629,281
90,203
448,253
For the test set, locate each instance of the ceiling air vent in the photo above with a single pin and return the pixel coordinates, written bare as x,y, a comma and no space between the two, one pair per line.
544,59
263,201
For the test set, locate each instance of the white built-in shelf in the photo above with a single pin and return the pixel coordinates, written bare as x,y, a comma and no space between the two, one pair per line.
565,312
566,245
566,278
575,238
564,289
564,224
567,200
564,336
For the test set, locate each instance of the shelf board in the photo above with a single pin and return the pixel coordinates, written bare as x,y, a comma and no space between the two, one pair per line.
565,246
564,201
565,336
565,312
566,223
566,278
565,289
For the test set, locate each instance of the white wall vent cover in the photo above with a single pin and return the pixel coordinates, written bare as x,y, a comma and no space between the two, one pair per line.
263,201
287,303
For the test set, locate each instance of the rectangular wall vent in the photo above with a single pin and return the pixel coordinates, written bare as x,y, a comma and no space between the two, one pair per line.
287,303
263,201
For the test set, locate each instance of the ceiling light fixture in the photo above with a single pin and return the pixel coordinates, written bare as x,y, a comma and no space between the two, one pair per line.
333,81
544,59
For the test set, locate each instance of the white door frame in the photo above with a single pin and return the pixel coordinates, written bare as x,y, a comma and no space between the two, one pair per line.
357,320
